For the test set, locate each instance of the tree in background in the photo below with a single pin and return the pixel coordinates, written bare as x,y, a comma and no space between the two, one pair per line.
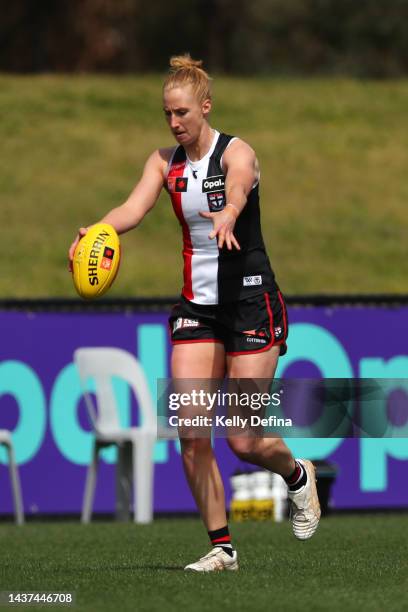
365,38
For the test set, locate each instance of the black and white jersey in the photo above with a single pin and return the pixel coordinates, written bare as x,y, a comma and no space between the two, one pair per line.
213,275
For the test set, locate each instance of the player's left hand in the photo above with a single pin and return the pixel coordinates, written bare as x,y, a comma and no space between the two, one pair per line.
223,227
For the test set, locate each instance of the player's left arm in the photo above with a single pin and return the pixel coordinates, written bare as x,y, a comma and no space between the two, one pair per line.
241,171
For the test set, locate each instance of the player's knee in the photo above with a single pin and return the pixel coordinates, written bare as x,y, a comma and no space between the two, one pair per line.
194,447
244,448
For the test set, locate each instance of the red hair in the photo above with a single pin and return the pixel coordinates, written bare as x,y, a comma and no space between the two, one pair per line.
186,71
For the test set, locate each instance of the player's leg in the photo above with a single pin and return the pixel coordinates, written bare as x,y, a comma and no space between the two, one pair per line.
202,361
265,321
205,361
273,454
269,453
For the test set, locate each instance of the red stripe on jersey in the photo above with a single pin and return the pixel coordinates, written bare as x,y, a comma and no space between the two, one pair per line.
270,314
175,171
285,325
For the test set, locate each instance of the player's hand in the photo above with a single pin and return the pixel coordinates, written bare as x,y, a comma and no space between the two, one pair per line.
223,227
81,233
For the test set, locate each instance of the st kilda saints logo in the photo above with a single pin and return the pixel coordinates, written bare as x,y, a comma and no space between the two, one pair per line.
214,187
216,201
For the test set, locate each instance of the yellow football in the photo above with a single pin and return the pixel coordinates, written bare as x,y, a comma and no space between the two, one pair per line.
96,261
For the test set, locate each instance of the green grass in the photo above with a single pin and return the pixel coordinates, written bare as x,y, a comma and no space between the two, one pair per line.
358,563
333,155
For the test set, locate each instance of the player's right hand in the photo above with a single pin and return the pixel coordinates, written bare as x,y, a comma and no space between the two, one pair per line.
223,227
81,233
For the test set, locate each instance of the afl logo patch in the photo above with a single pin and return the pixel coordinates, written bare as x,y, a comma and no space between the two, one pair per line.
213,183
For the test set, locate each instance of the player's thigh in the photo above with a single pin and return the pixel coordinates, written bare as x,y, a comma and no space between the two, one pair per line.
198,360
196,367
260,365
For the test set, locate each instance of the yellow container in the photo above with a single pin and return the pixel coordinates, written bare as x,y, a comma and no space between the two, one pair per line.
263,510
241,510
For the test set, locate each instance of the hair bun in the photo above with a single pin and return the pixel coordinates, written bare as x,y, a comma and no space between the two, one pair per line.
186,71
184,62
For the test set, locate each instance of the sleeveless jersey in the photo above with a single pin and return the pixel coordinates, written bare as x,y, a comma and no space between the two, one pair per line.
213,275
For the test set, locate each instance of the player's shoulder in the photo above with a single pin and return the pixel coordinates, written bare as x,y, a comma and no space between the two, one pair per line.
238,145
160,158
162,155
166,153
238,152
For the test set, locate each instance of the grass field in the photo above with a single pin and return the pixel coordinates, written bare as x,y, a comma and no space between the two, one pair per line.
358,563
333,155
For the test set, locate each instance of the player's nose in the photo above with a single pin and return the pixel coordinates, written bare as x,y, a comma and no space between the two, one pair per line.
174,122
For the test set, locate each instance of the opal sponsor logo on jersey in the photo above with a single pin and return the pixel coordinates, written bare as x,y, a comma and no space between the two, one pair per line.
182,323
252,281
213,183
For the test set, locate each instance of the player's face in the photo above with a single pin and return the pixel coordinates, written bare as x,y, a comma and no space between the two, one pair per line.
185,114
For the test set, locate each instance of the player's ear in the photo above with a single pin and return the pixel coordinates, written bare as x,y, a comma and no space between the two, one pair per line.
206,107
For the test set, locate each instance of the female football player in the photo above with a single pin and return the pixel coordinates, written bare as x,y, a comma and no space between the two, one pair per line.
231,319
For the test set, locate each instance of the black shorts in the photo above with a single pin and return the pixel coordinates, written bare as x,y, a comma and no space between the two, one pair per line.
249,326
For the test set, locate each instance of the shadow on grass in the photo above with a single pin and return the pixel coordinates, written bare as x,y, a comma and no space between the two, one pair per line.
170,568
136,568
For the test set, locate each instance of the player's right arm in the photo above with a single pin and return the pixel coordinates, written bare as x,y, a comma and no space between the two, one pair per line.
141,200
143,197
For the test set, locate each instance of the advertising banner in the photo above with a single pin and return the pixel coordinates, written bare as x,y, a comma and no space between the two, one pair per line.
41,403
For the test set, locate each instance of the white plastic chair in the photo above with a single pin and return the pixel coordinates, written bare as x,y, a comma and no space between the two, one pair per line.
5,440
135,444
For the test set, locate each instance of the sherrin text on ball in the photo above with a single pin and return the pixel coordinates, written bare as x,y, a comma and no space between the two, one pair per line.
96,261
